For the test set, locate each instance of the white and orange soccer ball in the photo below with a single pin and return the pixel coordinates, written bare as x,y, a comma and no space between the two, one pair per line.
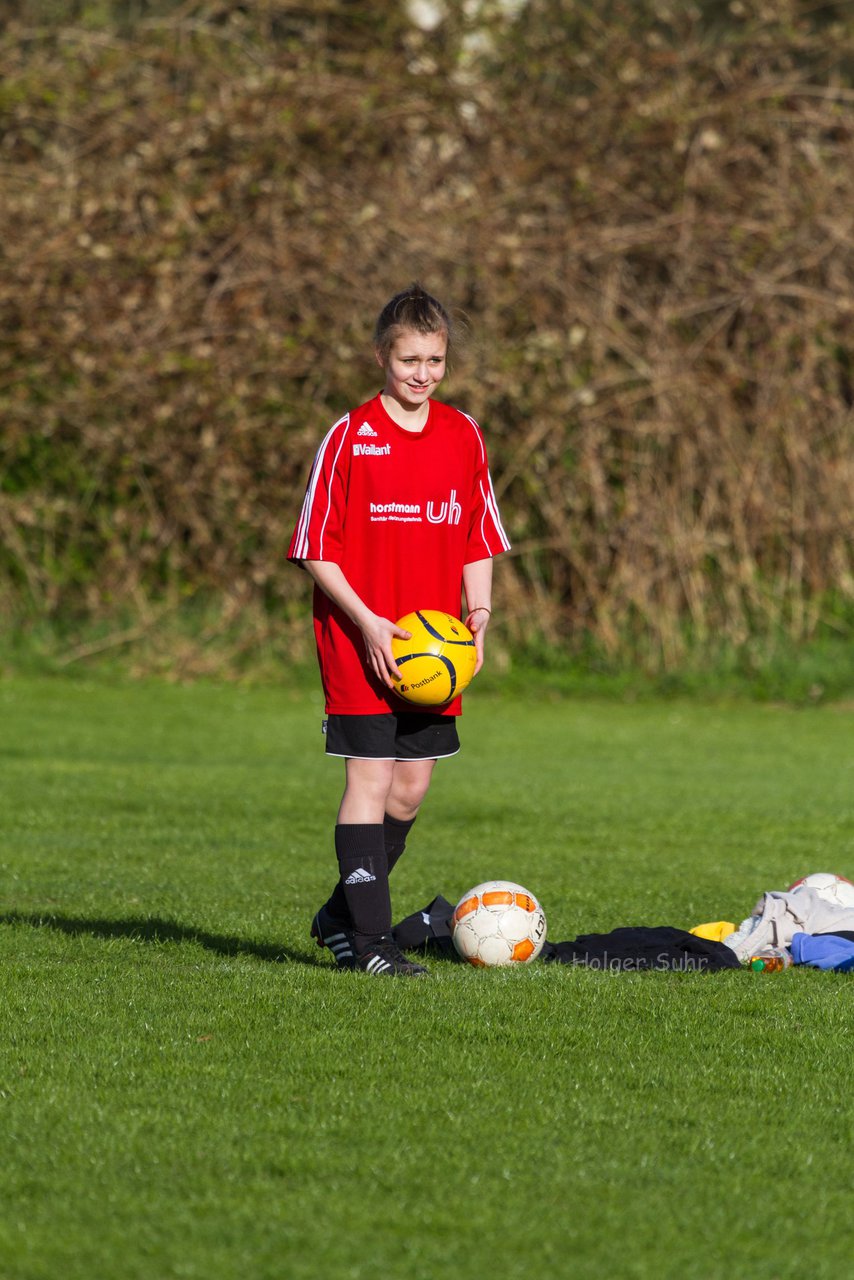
498,923
438,660
834,889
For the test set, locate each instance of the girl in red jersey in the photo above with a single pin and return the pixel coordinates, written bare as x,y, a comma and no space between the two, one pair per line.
399,514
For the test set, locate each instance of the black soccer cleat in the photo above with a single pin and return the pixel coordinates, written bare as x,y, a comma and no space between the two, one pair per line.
332,933
384,958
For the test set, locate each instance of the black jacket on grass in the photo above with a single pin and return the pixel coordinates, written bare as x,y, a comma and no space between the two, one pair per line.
620,951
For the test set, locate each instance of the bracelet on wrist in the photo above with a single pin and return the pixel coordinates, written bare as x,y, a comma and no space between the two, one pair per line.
481,608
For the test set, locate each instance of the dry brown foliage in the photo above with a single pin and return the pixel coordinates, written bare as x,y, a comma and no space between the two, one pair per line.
648,222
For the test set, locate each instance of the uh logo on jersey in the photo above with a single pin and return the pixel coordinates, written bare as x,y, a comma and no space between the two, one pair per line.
450,511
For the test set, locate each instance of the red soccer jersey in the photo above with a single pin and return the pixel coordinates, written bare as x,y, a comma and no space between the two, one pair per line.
401,512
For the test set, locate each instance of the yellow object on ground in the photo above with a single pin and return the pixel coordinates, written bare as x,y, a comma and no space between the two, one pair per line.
715,931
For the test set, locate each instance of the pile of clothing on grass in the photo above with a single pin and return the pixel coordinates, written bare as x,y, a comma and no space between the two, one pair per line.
802,925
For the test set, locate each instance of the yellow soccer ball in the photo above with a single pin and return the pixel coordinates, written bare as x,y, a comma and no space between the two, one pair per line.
438,662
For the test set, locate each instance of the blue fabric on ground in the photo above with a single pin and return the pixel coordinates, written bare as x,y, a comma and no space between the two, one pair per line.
823,951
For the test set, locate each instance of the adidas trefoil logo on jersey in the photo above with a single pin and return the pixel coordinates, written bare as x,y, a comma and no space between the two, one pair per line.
359,876
366,430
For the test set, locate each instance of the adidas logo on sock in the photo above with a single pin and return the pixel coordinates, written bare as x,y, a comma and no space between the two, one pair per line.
359,876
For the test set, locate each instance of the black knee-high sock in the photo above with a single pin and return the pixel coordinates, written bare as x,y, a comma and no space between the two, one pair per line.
395,832
363,868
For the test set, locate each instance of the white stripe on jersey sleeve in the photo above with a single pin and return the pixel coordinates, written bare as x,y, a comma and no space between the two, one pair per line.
490,504
329,503
478,433
301,544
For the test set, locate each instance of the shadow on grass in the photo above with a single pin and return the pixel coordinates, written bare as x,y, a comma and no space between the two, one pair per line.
158,931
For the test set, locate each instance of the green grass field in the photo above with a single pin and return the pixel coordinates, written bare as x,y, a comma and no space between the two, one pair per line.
188,1089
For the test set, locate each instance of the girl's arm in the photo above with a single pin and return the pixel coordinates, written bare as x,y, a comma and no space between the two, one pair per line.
377,632
477,585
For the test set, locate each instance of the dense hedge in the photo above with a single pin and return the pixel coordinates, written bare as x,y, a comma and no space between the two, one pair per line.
647,219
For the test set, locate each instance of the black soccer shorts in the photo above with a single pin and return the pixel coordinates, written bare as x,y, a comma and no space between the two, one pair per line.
394,735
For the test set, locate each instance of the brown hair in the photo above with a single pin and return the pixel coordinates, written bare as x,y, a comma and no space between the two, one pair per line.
412,308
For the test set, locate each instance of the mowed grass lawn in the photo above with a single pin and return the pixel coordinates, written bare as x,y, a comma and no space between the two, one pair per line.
188,1089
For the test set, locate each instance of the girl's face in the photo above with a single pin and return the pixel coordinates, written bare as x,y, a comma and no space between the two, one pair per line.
415,366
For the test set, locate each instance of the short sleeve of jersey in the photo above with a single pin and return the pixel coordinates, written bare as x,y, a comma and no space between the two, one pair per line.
486,536
319,531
